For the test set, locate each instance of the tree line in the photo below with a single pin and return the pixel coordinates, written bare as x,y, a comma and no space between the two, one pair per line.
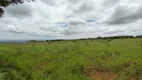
104,38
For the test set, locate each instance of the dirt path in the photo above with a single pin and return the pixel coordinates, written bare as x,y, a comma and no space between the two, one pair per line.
98,75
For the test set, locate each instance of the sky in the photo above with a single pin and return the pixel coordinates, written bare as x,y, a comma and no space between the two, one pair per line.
71,19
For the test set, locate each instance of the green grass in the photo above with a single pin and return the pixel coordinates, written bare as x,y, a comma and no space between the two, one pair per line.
70,60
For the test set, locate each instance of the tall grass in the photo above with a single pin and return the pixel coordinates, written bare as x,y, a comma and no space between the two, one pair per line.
71,60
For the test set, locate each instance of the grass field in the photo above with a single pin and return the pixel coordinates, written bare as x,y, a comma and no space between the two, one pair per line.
118,59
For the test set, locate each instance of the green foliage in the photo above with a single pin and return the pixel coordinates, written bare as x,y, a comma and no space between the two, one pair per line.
70,60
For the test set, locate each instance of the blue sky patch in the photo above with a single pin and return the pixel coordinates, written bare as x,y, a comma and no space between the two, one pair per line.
91,20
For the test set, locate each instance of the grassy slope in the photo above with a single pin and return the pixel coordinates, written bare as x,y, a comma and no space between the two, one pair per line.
69,60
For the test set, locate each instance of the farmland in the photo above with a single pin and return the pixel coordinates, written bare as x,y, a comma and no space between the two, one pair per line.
116,59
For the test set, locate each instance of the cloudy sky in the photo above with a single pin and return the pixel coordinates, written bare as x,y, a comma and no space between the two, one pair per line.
71,19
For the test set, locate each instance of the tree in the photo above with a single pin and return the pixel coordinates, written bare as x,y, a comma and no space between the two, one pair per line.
5,3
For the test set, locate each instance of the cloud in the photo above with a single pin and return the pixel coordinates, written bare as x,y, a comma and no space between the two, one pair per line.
13,29
76,21
46,19
84,6
123,14
23,10
49,2
110,3
75,1
51,28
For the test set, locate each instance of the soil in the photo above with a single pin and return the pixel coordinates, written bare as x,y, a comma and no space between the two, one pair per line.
99,75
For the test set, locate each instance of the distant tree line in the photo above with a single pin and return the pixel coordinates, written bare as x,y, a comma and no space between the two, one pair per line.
104,38
116,37
140,36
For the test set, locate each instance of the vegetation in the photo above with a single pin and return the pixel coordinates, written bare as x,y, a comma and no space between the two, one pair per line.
72,60
102,38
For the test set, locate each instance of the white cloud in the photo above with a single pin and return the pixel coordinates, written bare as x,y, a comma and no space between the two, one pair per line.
22,11
123,14
40,19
